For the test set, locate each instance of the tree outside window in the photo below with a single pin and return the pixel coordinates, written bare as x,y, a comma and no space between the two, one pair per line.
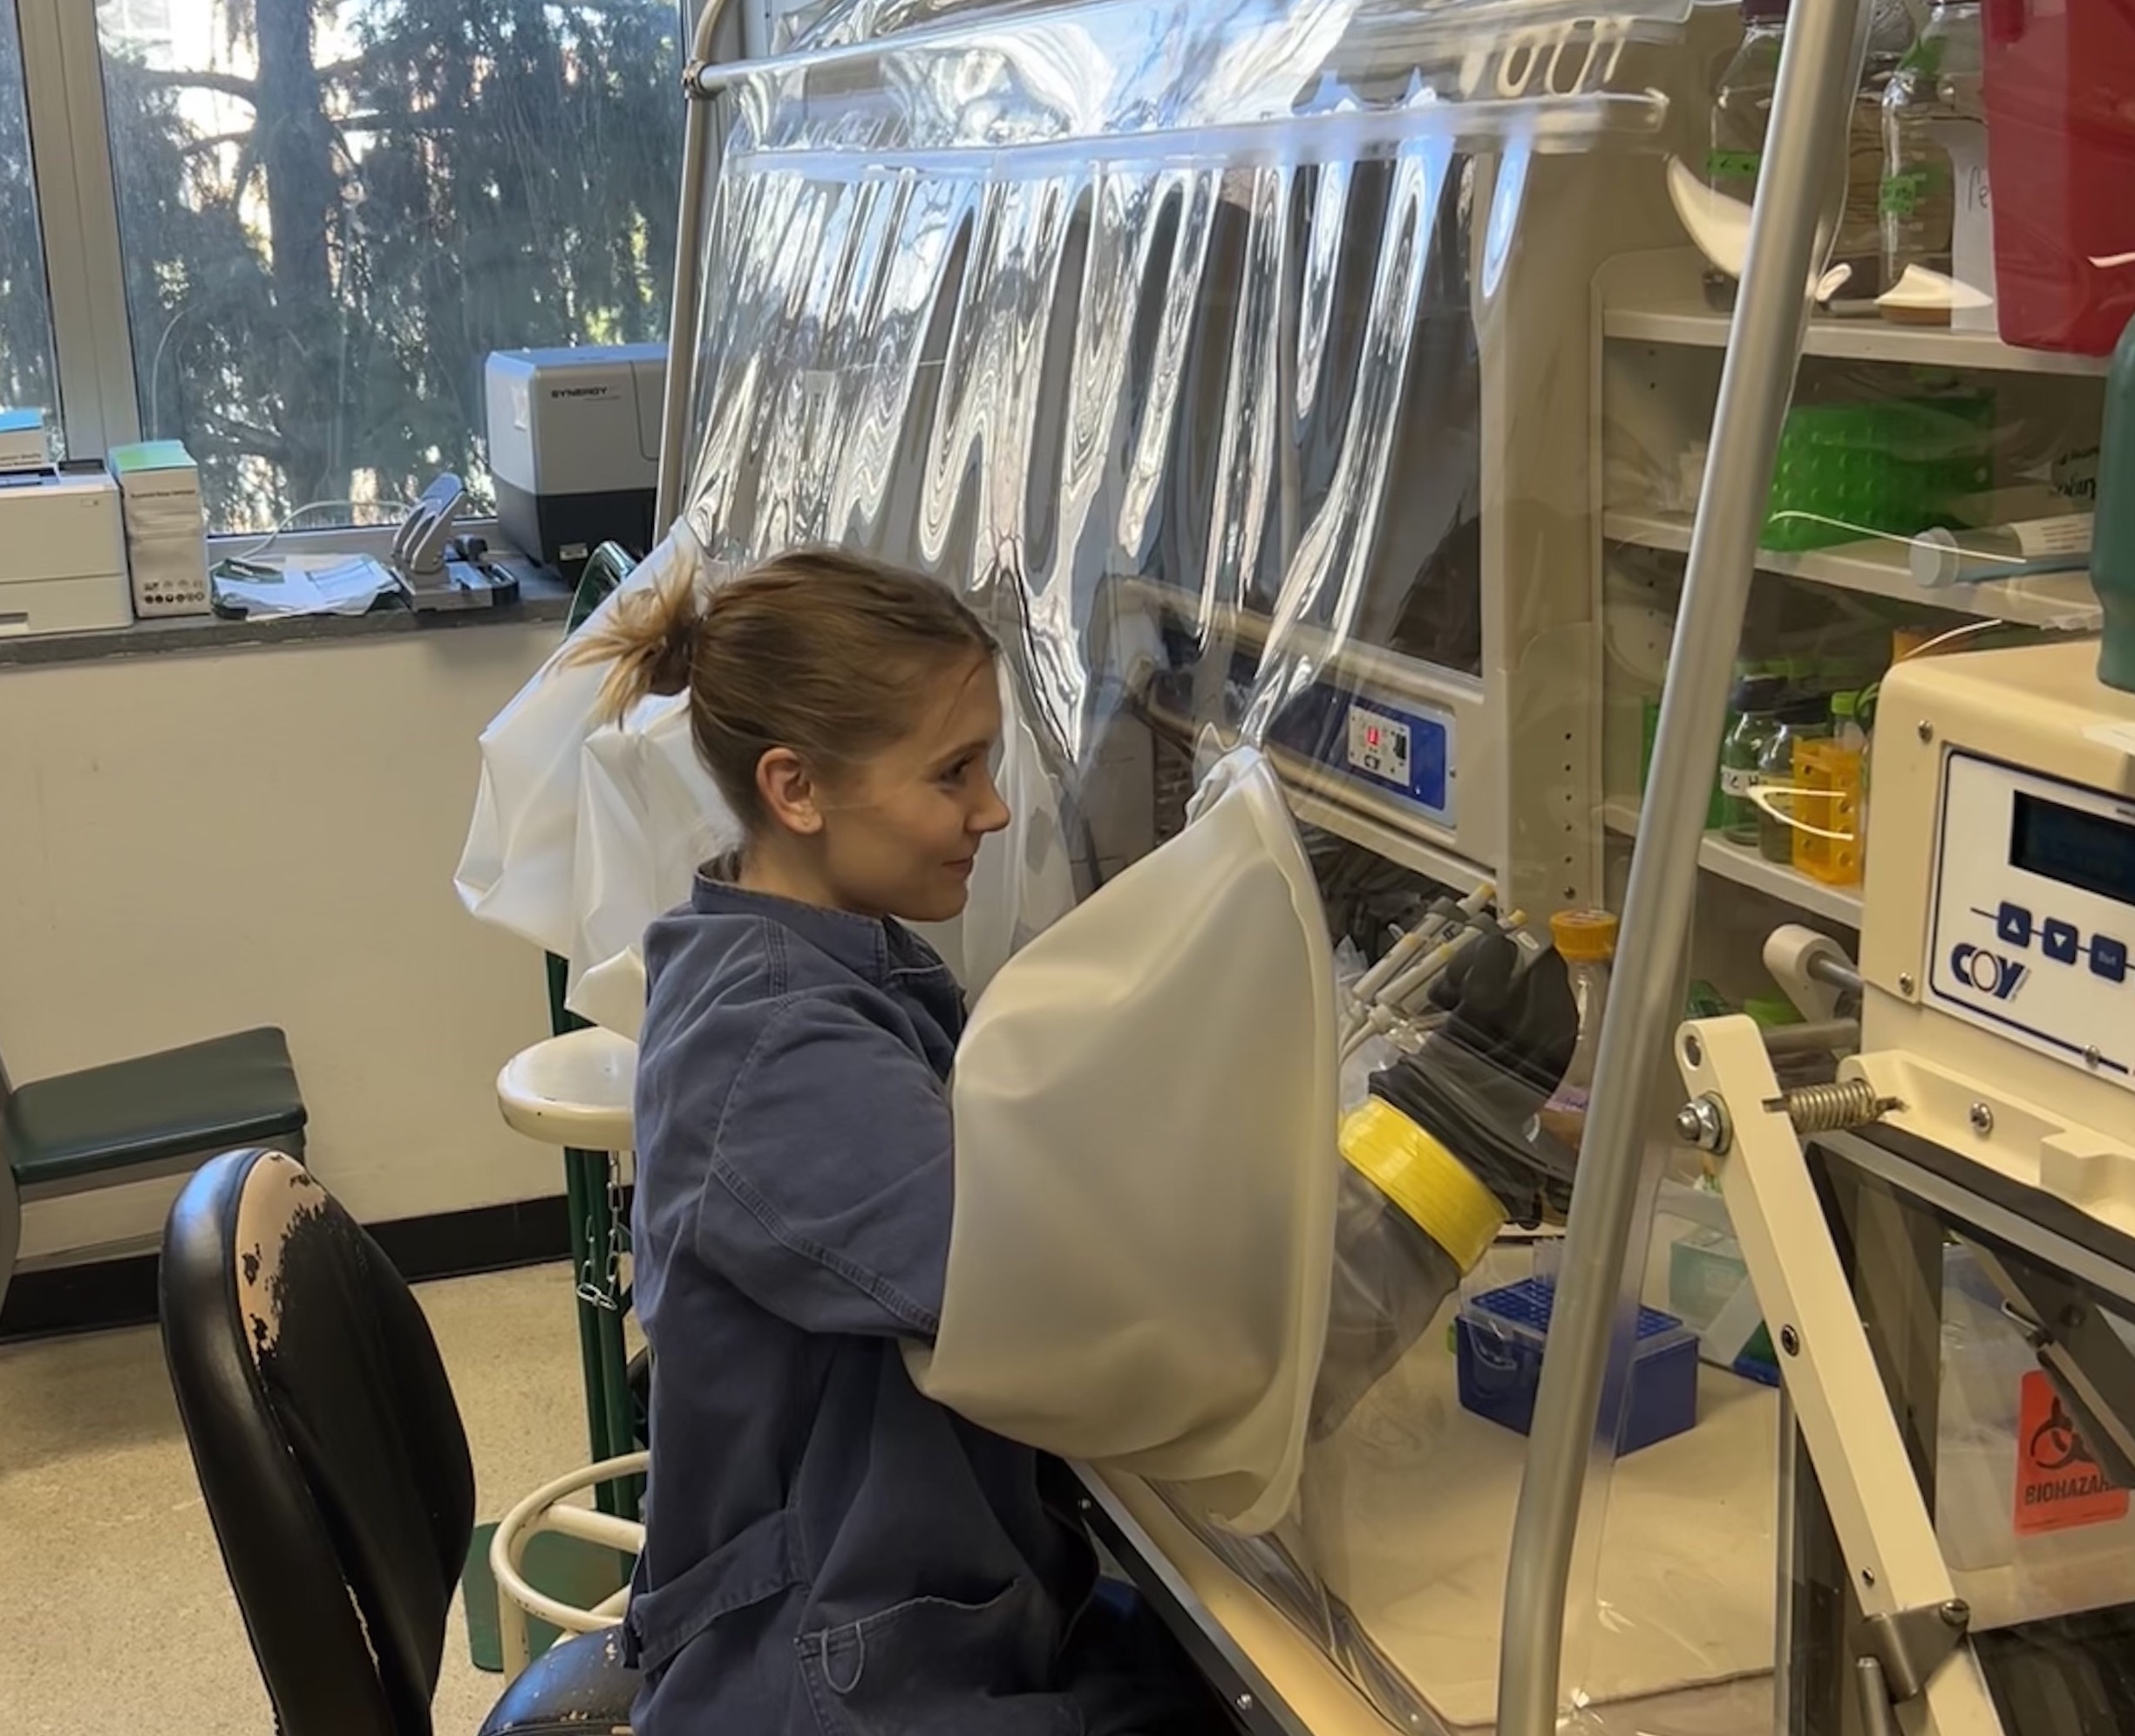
331,211
26,302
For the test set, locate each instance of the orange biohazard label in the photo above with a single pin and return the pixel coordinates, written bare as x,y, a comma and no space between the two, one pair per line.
2059,1484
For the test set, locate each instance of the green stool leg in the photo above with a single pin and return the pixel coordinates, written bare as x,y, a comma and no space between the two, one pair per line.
583,1183
604,1363
626,1495
596,1252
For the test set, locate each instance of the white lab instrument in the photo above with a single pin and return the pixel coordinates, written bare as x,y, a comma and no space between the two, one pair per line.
166,530
574,448
62,552
1998,1075
2000,914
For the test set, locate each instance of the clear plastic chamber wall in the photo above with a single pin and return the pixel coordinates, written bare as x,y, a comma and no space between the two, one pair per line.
1333,380
1237,361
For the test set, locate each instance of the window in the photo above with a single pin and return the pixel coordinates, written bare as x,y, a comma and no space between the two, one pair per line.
327,212
26,302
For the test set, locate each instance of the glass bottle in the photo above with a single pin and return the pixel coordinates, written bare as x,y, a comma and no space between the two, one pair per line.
1740,111
1859,244
1756,705
1934,127
1586,941
1798,720
1829,770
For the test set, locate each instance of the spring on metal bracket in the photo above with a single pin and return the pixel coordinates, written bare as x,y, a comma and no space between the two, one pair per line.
1833,1108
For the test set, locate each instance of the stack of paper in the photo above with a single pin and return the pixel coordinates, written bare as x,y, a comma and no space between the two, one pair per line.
305,587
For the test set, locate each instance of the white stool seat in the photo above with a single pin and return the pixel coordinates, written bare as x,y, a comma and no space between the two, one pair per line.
573,1090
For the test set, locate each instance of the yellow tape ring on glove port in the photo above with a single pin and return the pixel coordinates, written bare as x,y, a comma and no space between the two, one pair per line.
1427,1181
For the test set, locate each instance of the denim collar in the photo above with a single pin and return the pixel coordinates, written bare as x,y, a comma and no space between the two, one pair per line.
874,948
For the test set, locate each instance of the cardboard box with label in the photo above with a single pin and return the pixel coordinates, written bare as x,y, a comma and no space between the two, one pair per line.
166,532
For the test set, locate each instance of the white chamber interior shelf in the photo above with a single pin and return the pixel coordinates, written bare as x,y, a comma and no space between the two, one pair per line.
1877,568
1858,339
1745,865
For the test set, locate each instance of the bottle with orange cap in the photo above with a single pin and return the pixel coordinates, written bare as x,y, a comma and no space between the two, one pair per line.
1586,941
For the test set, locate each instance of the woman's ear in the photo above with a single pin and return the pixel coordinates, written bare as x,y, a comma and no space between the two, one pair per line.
788,792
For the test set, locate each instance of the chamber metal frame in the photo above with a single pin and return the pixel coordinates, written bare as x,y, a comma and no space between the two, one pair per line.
1918,1670
1798,193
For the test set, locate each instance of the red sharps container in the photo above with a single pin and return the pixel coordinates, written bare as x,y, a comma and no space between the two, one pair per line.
2060,91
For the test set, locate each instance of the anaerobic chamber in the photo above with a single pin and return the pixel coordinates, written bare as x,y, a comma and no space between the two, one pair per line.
1347,380
1237,362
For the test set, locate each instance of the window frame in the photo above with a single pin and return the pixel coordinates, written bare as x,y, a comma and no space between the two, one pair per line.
78,209
98,405
97,400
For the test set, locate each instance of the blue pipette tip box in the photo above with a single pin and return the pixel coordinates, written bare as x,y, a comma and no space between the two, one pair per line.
1498,1348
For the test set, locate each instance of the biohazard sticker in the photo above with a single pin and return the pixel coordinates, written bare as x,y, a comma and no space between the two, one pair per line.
2059,1485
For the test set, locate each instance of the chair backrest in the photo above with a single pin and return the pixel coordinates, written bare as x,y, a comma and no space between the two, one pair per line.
326,1439
10,1216
10,1195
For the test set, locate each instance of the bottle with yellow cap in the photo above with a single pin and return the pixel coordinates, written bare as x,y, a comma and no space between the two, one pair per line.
1438,1159
1586,941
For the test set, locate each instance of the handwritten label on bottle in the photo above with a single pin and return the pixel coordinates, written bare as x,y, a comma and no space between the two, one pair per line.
1972,223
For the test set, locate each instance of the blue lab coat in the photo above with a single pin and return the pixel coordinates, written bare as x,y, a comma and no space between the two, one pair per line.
828,1552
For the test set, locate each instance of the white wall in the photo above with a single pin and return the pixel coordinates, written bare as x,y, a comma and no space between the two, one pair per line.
194,844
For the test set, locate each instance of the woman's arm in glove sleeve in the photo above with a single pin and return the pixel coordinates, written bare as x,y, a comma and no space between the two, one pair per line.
830,1189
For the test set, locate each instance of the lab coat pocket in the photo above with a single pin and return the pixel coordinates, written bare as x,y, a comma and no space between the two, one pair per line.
747,1570
937,1667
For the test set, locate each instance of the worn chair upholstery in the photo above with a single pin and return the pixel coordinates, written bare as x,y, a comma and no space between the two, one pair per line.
161,1114
330,1452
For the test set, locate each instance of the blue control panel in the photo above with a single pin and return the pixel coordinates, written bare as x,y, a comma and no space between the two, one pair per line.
1399,748
2058,943
2034,914
1402,751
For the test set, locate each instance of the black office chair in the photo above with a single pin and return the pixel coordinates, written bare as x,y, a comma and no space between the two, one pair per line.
161,1115
330,1452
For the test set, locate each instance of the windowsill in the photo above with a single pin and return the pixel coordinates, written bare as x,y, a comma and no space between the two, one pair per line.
542,596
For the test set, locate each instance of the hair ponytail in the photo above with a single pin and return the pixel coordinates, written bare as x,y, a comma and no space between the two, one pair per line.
650,637
829,653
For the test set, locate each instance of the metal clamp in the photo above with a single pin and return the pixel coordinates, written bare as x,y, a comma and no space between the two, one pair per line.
1905,1649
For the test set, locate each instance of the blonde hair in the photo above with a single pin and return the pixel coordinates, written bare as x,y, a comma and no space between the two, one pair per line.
819,650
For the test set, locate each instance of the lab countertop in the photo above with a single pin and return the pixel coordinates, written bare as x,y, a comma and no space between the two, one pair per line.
1415,1513
542,596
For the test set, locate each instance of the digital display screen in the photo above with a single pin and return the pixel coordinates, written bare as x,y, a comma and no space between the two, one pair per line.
2076,848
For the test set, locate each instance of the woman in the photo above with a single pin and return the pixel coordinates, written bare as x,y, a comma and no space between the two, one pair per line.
828,1552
